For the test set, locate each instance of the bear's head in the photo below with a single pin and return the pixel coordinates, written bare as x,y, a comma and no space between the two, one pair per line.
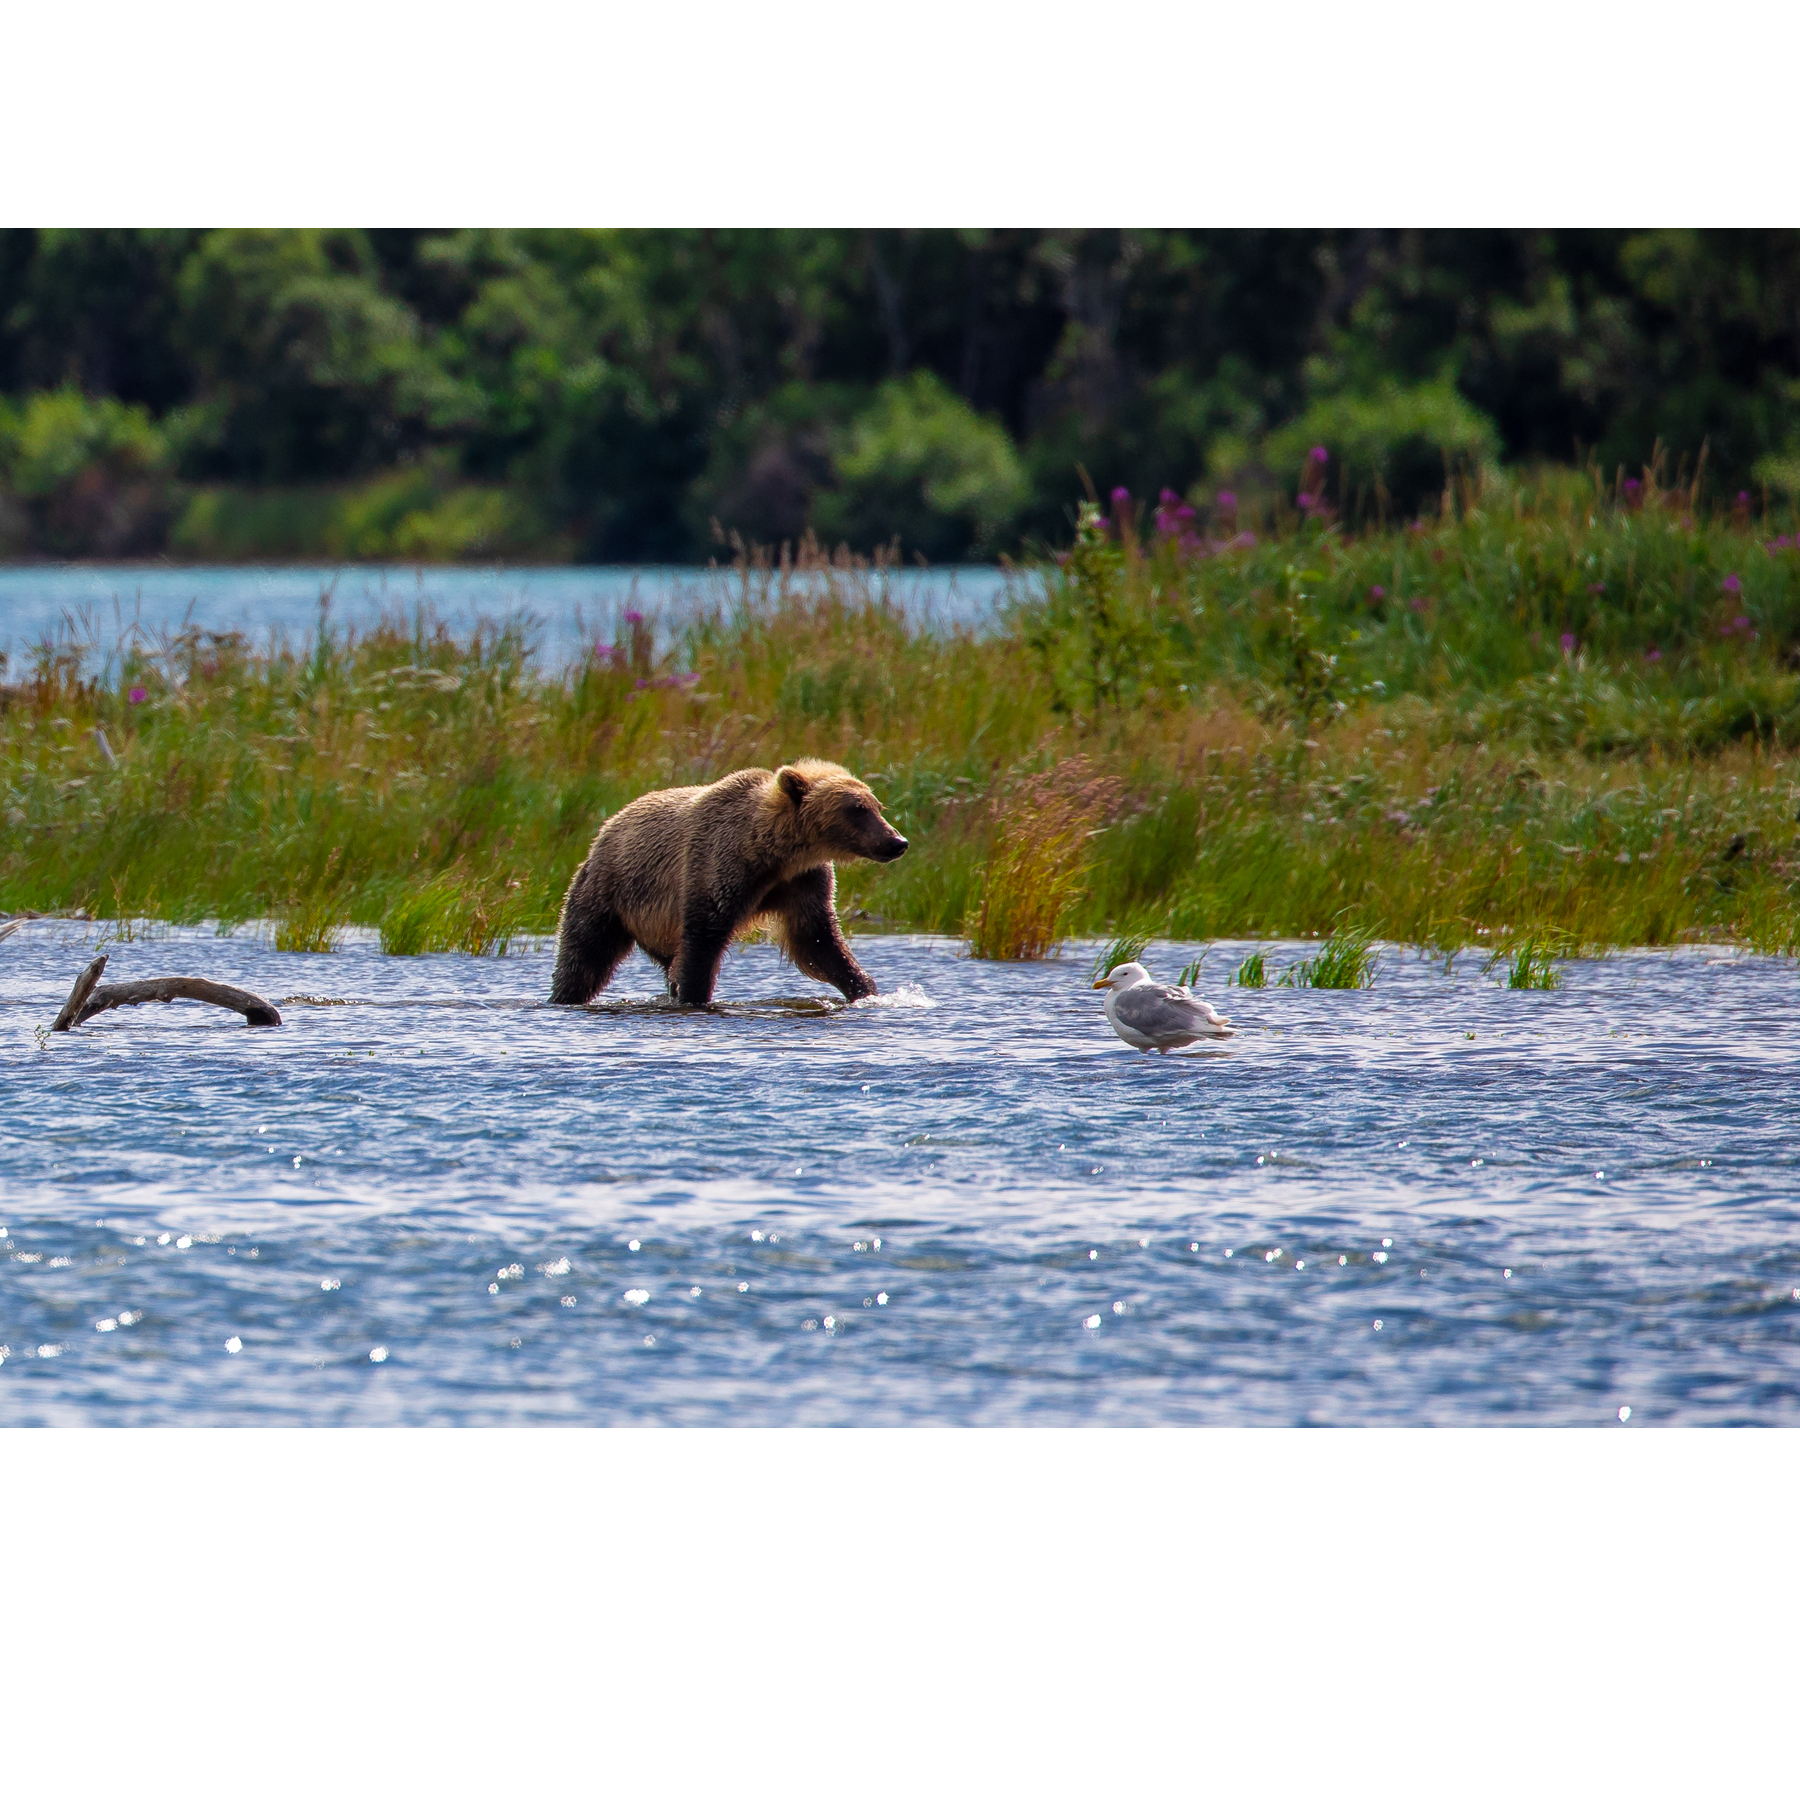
836,814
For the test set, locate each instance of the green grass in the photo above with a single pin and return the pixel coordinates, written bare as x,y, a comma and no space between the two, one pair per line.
314,924
1252,972
1345,960
1119,951
1241,744
1531,962
449,913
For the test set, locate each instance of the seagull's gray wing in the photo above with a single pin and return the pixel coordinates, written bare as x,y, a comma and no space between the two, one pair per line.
1158,1012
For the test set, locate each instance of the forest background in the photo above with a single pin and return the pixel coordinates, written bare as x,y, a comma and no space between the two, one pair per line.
631,396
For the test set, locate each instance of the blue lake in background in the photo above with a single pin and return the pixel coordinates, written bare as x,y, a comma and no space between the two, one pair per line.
1433,1201
572,607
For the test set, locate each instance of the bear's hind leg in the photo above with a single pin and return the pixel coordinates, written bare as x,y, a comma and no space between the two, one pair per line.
587,953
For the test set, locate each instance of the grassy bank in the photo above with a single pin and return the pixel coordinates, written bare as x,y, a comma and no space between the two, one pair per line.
1567,710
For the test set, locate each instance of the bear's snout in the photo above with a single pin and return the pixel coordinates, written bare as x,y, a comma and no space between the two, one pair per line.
893,849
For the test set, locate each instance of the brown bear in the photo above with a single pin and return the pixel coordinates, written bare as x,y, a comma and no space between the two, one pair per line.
682,871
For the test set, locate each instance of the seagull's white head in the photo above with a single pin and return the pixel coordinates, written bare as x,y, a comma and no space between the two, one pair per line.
1124,976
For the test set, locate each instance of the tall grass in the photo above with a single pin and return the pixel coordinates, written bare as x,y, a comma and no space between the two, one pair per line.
314,924
448,913
1252,972
1037,866
1531,961
1345,960
1119,951
1449,774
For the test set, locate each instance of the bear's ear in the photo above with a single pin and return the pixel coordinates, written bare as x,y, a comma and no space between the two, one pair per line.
793,784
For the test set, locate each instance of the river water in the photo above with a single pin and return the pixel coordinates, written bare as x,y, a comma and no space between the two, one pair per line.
437,1201
568,609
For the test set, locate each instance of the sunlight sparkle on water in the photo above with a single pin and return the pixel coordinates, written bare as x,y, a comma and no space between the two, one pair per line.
632,1110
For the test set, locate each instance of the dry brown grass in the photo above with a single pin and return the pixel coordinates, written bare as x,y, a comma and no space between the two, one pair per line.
1038,865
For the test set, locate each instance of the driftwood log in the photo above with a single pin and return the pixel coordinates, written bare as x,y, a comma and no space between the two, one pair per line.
86,997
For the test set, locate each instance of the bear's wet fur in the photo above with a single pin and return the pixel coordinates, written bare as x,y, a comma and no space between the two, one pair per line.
683,871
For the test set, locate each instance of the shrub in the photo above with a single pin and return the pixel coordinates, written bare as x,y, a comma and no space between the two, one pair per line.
921,464
1411,440
410,516
86,477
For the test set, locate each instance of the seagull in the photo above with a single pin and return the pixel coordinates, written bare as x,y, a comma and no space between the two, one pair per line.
1149,1016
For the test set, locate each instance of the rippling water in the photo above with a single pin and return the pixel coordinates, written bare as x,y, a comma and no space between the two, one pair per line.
442,1202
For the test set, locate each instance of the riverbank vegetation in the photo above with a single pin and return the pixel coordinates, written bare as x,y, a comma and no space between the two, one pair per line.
1562,712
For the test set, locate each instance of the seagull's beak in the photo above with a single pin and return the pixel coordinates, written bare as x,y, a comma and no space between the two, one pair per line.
1105,981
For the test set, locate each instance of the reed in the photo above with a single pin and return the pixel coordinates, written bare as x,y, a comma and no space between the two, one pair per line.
1037,866
1530,963
1345,960
1119,951
450,913
314,925
1252,972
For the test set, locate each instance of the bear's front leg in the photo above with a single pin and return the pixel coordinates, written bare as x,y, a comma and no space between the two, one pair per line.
811,935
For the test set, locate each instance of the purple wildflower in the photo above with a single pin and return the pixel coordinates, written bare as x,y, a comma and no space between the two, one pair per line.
1318,455
138,696
1731,584
1740,623
1653,654
1568,643
1168,497
1632,484
602,652
1121,496
633,617
1378,592
1227,500
1303,501
1596,587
